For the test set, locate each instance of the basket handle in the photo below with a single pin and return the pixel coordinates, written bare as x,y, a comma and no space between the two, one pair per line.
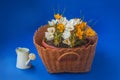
69,56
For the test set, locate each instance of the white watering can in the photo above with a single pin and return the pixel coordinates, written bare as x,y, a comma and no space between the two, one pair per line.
23,58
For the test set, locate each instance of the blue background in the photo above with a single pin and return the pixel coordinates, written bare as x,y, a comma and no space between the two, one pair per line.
20,18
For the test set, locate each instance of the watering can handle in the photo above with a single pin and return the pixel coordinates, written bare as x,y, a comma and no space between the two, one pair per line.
69,56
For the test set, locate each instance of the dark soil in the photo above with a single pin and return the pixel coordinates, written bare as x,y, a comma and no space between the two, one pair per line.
61,45
87,41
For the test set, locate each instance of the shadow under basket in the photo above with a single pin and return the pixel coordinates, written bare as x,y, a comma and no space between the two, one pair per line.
57,60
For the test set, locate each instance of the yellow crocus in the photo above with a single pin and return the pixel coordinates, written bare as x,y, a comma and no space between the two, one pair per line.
57,16
90,32
79,34
60,27
81,26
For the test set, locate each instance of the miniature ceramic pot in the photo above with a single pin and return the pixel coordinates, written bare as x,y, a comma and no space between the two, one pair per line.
23,58
58,60
47,46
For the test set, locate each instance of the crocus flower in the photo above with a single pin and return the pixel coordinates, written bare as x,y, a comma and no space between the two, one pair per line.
63,20
60,27
79,34
81,26
75,21
57,16
67,41
66,34
69,27
89,32
52,22
49,36
51,30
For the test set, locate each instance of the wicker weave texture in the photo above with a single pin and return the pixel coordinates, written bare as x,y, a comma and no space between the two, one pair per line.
59,60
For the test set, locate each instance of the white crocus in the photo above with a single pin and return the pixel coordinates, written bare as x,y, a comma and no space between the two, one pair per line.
67,41
52,22
69,26
66,34
75,21
63,20
78,21
51,30
49,36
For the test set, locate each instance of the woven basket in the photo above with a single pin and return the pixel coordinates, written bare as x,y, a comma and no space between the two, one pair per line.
59,60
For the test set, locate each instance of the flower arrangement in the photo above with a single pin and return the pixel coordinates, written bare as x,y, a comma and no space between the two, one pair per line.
66,45
68,33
